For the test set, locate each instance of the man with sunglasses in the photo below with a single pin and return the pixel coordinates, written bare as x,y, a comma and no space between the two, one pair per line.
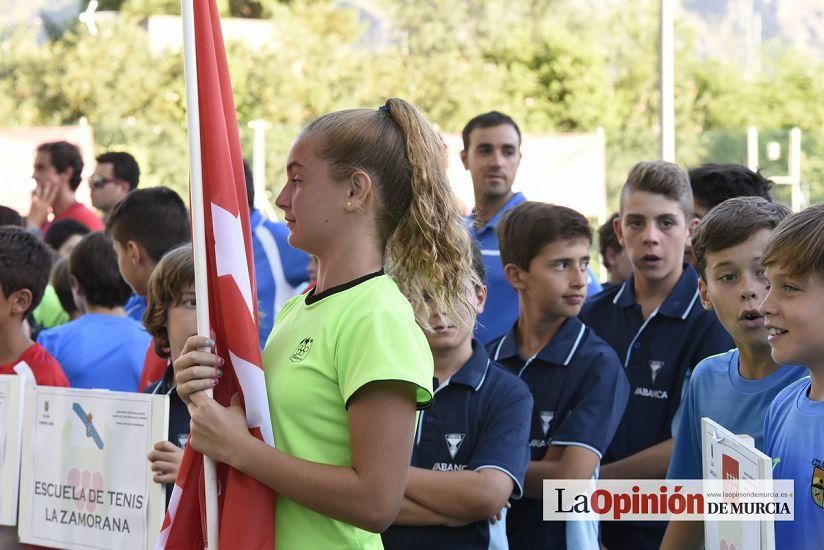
57,169
114,177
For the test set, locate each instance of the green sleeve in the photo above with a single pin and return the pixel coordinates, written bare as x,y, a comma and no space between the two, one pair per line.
381,346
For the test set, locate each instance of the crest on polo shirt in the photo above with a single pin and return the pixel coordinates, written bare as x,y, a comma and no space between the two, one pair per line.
817,483
453,442
654,367
546,419
302,350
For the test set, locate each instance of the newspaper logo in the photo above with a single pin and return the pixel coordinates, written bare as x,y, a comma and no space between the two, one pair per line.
546,419
453,442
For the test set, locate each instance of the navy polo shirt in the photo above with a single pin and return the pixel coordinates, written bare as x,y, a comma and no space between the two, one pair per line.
579,392
479,419
658,355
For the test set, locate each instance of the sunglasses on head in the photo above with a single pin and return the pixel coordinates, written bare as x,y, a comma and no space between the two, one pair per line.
98,182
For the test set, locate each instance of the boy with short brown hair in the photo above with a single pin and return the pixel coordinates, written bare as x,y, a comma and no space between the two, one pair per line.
575,378
24,272
655,324
733,388
793,433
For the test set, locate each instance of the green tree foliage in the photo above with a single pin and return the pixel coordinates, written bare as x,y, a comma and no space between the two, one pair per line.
554,65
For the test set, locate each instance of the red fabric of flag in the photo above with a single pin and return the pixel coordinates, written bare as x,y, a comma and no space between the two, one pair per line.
246,507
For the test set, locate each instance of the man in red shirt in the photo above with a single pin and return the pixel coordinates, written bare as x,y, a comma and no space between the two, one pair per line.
57,171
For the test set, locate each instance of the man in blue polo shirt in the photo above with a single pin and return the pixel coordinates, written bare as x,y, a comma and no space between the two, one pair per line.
656,325
575,378
491,154
470,449
280,268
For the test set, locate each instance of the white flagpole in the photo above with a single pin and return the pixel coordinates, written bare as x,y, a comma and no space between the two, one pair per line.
199,239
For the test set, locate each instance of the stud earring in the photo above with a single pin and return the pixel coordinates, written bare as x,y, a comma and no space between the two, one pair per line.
348,204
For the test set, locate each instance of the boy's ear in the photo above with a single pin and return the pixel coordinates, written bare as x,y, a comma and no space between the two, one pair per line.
515,276
464,159
616,226
135,252
704,294
20,300
76,288
691,229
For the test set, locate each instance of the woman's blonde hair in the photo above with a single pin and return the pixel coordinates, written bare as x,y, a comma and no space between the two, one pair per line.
427,245
173,275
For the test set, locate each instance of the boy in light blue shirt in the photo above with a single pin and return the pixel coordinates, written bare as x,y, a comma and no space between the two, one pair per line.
103,348
733,388
794,427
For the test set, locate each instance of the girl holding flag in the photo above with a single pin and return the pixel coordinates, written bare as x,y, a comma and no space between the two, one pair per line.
346,365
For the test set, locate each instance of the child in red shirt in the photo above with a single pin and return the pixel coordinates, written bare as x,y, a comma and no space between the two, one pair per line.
25,264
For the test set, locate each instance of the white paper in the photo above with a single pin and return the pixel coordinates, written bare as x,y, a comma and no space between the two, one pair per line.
726,456
85,480
11,423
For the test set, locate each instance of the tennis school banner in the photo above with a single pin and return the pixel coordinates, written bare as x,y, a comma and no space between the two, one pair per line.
85,481
11,424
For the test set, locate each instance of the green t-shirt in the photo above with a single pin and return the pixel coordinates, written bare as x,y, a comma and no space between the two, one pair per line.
316,358
49,313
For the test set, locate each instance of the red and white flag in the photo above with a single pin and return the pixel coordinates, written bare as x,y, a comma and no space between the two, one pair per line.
246,508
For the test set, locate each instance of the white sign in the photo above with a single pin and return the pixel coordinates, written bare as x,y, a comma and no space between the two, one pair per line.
733,459
11,423
85,481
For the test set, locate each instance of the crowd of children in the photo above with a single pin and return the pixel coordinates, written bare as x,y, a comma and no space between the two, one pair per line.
711,309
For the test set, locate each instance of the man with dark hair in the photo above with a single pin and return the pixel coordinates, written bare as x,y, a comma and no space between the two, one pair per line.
712,184
102,348
115,175
280,268
491,154
57,170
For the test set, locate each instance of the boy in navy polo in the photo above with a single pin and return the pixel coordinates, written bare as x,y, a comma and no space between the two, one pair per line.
471,449
794,426
575,378
733,388
655,323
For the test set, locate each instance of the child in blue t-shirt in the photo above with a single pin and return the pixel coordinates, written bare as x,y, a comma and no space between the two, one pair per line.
733,388
794,426
575,378
102,349
471,448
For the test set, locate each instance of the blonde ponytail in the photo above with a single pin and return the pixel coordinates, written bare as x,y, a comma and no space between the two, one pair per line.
428,251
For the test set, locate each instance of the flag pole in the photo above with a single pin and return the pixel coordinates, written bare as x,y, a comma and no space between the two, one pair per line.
198,239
